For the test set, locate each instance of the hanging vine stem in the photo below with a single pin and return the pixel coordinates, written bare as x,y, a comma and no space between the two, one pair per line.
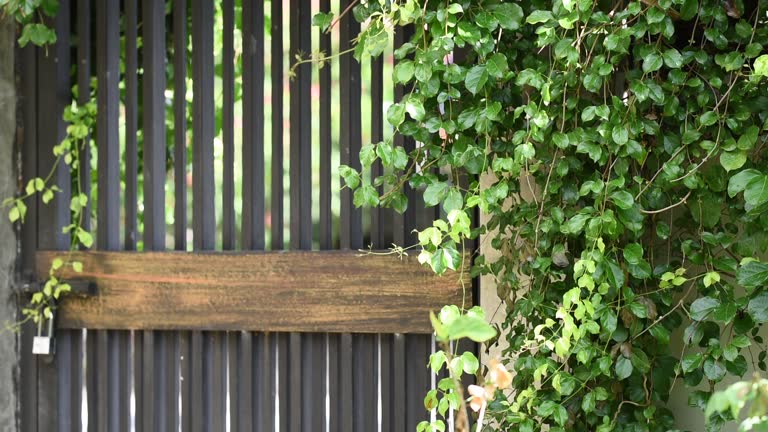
81,120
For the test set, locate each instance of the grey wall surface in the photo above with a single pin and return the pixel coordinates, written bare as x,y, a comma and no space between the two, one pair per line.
8,351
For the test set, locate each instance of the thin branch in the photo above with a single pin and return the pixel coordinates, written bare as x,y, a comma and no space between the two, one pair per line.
669,207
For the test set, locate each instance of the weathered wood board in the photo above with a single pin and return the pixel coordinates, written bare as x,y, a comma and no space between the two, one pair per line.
325,291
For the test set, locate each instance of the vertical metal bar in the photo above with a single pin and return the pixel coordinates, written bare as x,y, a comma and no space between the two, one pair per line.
83,96
54,93
276,36
253,124
108,117
346,384
228,126
386,394
153,55
301,128
417,378
108,404
70,362
313,367
131,124
264,386
215,380
180,123
400,222
138,377
28,362
180,40
334,382
241,373
350,139
197,407
365,382
147,399
204,222
330,345
326,217
399,383
283,355
185,380
383,343
92,379
159,356
239,350
377,135
123,362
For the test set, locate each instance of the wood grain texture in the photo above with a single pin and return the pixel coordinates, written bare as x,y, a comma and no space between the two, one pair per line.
325,291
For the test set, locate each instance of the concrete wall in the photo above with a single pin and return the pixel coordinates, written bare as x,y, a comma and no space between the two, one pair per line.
8,350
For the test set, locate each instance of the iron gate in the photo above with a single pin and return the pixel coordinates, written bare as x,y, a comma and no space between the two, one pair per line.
206,81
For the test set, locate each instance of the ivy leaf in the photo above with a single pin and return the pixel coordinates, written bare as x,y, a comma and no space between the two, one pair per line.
396,114
761,65
691,362
471,327
733,160
539,16
758,308
403,72
702,307
623,367
689,9
708,118
367,155
752,274
476,78
726,312
350,176
588,403
509,15
322,20
633,253
738,182
620,134
756,191
453,201
560,415
38,34
497,65
623,199
415,108
673,59
652,63
435,193
713,370
366,196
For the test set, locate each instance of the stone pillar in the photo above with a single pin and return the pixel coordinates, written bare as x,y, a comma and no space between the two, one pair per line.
8,339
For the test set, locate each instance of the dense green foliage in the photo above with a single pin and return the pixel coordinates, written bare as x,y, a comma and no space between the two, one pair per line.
621,146
29,14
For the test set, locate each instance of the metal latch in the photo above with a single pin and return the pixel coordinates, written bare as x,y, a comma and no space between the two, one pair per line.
44,344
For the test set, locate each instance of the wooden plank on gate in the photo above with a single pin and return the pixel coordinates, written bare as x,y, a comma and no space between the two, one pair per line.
326,291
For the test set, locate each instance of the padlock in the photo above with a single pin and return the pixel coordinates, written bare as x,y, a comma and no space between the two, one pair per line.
44,344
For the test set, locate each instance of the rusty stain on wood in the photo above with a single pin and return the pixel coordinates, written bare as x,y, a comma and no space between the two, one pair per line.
328,291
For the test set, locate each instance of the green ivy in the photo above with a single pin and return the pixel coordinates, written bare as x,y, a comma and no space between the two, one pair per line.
621,146
81,120
29,14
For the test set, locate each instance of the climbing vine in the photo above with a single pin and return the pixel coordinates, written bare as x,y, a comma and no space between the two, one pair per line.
615,151
81,120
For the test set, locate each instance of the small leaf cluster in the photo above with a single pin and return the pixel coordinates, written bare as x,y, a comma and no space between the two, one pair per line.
29,14
616,153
